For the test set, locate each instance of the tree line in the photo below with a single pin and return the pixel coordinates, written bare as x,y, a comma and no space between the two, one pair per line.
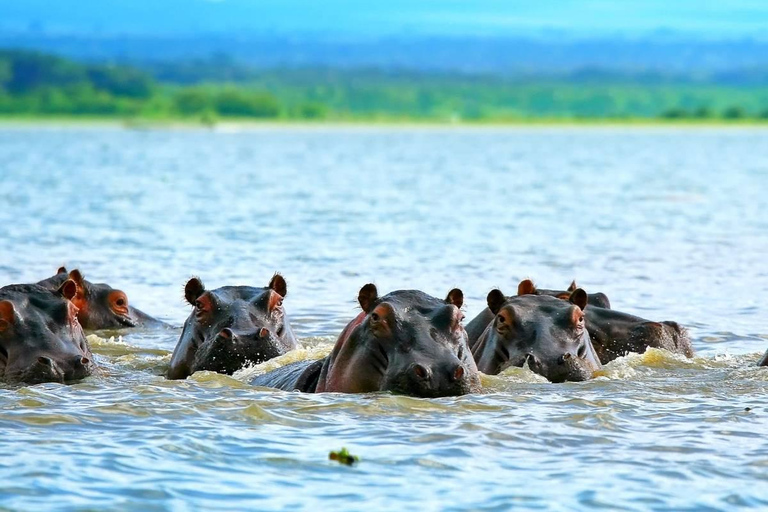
37,84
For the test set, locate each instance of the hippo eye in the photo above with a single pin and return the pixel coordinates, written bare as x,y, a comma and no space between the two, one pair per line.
120,302
375,317
198,304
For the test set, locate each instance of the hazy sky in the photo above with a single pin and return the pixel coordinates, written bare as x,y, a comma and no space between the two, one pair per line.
715,19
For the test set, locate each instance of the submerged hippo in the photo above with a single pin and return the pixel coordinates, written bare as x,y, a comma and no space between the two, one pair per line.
230,327
40,337
547,333
593,299
99,305
615,334
763,360
406,342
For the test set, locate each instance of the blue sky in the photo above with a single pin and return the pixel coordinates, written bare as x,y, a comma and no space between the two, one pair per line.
710,19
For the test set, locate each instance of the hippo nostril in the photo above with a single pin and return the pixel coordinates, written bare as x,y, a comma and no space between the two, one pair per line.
458,373
46,361
420,371
264,332
85,361
565,358
226,333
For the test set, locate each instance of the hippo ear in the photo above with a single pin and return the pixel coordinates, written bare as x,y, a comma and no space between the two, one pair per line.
62,270
526,287
77,277
572,287
7,314
278,284
274,299
578,297
455,297
367,297
68,289
193,289
495,300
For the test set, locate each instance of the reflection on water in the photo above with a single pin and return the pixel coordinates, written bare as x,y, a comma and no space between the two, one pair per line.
668,223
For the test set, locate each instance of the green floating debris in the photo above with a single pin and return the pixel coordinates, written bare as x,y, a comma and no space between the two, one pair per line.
343,457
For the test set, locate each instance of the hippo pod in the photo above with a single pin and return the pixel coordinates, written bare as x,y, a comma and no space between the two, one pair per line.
99,305
230,327
40,337
406,342
547,333
615,334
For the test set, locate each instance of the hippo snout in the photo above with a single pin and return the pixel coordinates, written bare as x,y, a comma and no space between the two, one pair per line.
49,369
435,380
565,367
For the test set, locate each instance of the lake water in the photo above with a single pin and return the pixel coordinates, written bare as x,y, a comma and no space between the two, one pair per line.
670,223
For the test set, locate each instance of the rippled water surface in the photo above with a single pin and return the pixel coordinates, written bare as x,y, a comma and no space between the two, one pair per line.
669,223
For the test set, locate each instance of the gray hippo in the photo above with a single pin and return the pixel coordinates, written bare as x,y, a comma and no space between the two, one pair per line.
547,333
406,342
615,334
40,337
99,305
232,326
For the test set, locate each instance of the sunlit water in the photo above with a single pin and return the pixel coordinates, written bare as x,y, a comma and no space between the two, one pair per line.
670,223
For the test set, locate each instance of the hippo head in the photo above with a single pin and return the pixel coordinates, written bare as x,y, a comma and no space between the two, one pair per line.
40,337
233,325
547,333
99,306
593,299
406,342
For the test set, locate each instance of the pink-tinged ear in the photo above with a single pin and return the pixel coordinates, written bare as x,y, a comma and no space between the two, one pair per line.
7,314
455,297
579,298
572,287
78,278
495,300
526,287
193,290
275,300
68,289
367,296
62,270
279,285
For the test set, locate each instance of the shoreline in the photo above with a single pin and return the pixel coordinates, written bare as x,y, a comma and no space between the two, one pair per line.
255,125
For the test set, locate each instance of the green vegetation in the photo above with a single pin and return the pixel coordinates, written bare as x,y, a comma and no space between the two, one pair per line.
344,457
39,85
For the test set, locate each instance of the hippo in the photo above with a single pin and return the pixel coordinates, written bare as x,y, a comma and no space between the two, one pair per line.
232,326
406,342
99,305
763,360
615,334
593,299
40,337
545,332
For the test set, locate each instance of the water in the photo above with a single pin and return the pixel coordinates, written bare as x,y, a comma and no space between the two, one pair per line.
669,223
